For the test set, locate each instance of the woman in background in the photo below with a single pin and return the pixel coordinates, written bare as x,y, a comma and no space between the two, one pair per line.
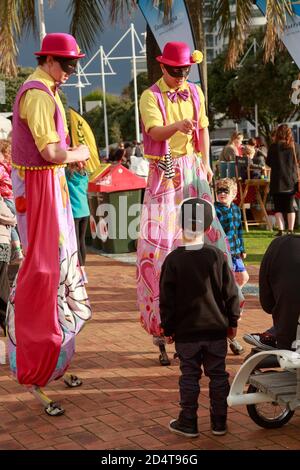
233,149
7,193
281,160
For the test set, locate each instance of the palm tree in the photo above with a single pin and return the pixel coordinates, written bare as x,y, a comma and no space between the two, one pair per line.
236,29
15,17
86,19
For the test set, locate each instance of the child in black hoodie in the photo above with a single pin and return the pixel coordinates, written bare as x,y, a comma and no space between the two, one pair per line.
199,308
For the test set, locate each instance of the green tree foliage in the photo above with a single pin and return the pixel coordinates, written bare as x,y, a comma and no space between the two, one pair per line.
12,86
85,19
118,116
233,93
142,83
120,113
234,26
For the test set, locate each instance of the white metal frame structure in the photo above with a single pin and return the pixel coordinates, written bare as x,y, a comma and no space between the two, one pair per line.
105,60
79,84
253,46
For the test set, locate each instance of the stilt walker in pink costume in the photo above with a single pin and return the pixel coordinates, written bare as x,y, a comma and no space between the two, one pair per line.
176,140
48,303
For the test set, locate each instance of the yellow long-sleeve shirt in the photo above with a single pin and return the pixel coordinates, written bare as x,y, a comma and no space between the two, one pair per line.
180,144
37,109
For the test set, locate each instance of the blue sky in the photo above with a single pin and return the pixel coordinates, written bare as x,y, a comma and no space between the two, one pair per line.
56,20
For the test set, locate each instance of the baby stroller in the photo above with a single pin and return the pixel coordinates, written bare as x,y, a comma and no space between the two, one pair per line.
273,379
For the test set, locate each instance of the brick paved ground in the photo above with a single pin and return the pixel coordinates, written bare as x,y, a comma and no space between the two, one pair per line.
127,399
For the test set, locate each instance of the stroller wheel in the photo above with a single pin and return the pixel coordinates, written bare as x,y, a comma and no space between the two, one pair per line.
268,415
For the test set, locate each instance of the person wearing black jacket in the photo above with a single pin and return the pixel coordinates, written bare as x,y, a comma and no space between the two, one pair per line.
199,308
281,159
279,294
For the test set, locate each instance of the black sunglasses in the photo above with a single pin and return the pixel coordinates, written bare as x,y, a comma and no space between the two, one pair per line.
223,190
177,72
67,65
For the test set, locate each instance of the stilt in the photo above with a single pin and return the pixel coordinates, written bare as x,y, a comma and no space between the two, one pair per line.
51,408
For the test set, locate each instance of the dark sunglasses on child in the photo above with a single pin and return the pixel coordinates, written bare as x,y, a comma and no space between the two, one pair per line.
223,190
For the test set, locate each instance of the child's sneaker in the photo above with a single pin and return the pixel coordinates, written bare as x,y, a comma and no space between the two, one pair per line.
16,256
183,430
235,346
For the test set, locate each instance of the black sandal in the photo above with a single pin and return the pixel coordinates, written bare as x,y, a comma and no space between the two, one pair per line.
72,381
54,409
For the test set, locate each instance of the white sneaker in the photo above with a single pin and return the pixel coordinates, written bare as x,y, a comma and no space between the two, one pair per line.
235,346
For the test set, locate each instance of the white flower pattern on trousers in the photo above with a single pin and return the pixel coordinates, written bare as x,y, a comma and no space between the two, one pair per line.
10,314
73,303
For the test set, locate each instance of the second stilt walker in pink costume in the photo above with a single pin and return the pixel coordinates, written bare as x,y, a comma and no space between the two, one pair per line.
48,303
176,140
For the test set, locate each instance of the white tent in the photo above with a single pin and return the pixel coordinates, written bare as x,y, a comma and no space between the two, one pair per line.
5,127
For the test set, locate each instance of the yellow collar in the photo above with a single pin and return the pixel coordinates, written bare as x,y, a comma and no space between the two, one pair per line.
41,75
164,87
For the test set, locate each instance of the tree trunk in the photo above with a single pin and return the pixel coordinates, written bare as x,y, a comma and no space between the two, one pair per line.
154,71
195,11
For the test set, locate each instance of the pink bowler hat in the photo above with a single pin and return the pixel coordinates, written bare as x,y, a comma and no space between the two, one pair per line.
60,45
176,54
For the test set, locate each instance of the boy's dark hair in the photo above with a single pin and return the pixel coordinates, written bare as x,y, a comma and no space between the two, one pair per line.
41,60
196,214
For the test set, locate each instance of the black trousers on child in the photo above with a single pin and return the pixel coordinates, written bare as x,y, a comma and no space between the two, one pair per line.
4,292
211,356
80,229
